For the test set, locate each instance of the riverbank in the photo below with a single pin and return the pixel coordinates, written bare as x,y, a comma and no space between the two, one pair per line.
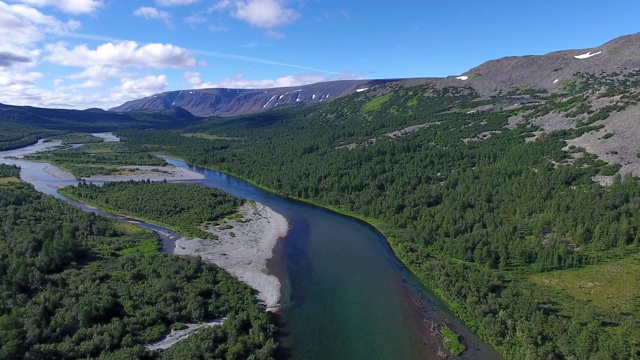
243,247
133,172
423,306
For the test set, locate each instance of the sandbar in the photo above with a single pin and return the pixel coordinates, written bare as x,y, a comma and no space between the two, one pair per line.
152,173
242,249
58,173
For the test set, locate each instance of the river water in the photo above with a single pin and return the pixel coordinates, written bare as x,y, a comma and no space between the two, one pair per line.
345,294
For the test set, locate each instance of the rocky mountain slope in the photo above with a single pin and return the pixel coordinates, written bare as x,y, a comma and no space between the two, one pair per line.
550,72
229,102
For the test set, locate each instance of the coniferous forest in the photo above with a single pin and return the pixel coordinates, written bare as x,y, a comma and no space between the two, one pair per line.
493,212
74,285
499,226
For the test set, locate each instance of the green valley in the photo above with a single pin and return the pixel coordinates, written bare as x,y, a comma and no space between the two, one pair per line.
471,204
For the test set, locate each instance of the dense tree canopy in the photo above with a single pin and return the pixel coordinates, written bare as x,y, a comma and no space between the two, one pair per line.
76,285
471,206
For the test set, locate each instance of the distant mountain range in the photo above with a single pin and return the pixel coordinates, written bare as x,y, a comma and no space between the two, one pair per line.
229,102
550,72
95,119
547,72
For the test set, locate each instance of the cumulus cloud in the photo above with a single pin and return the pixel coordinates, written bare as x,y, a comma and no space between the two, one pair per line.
141,87
153,13
9,79
196,82
194,79
23,91
98,73
265,14
24,25
175,2
8,59
68,6
122,54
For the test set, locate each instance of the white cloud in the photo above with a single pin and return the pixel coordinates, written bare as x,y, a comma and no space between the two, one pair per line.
196,82
68,6
98,73
238,82
9,79
175,2
137,88
122,54
195,19
24,25
153,13
23,91
265,14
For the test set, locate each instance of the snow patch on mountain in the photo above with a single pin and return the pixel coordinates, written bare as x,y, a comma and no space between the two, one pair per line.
265,105
587,55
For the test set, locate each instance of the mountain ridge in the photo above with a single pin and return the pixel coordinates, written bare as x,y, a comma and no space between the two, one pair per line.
229,102
549,72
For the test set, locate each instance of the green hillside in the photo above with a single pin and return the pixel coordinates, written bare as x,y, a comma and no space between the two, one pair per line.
479,211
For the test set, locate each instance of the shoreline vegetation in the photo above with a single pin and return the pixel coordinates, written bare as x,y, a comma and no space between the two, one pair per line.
133,172
454,344
129,293
240,242
474,220
242,248
257,233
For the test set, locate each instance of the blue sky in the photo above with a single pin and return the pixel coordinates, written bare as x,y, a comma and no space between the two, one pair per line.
101,53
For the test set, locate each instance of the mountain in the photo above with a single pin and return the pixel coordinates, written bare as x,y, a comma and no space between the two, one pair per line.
553,70
487,183
94,119
229,102
549,72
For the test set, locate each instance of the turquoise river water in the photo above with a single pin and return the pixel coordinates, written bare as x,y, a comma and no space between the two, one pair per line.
345,295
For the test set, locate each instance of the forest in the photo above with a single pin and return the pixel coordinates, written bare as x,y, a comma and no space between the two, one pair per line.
74,285
484,216
501,220
95,158
24,125
182,207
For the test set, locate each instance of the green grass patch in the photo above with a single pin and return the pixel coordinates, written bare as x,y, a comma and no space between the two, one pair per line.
129,229
207,136
452,342
375,103
614,285
9,180
99,150
76,138
146,247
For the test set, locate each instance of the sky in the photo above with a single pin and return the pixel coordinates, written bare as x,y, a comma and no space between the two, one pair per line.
101,53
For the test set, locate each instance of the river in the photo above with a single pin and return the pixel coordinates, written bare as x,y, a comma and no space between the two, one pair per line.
345,294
